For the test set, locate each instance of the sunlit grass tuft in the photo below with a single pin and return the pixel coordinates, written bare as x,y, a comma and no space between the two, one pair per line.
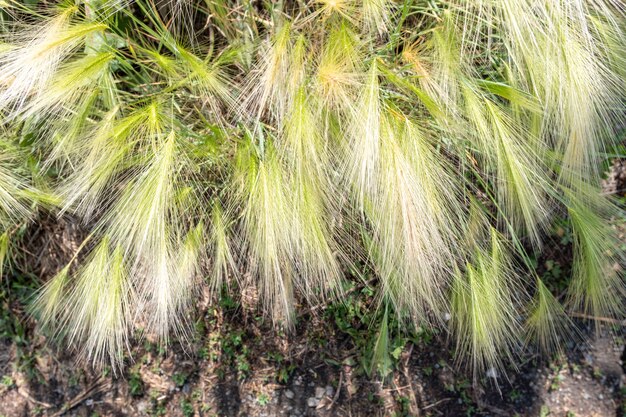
484,317
31,63
268,230
548,323
597,287
97,308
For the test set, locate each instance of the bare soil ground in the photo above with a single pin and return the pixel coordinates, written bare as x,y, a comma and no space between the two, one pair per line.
239,366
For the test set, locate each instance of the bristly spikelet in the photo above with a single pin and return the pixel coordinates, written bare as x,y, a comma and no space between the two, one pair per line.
597,288
446,63
102,155
5,242
221,253
267,227
148,221
78,91
65,129
13,206
376,14
205,77
74,81
522,182
108,339
269,90
484,318
413,214
364,141
180,16
372,16
548,325
338,73
47,303
27,69
97,309
209,79
381,360
344,8
190,254
307,164
15,189
612,34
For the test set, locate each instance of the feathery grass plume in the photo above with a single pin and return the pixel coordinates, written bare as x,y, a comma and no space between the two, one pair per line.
180,16
338,72
612,34
596,288
346,9
444,58
364,141
149,221
95,10
47,304
415,55
64,130
205,77
584,112
548,324
147,218
78,91
209,78
557,54
28,68
484,316
73,82
409,86
376,15
414,215
380,360
15,189
97,307
307,164
267,226
221,250
190,255
104,154
522,181
272,84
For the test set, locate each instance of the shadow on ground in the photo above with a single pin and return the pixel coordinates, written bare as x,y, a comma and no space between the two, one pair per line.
258,372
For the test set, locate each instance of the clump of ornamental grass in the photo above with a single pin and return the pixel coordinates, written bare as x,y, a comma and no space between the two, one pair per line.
436,143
